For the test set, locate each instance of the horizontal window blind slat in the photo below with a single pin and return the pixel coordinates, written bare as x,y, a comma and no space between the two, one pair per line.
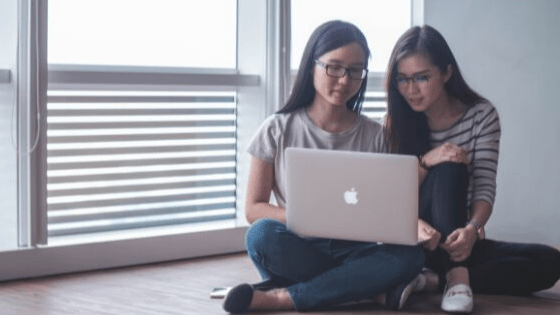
156,112
75,214
139,150
137,124
144,221
112,190
137,175
135,198
142,213
92,166
132,144
142,137
136,118
52,160
138,169
153,218
138,131
53,188
375,105
64,189
136,194
146,101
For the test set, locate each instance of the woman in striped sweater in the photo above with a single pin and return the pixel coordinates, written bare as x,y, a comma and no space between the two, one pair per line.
455,132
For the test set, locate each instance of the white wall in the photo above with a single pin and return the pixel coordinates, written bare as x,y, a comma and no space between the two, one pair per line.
509,51
8,123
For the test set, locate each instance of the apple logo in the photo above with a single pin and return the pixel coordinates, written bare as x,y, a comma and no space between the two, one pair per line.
351,196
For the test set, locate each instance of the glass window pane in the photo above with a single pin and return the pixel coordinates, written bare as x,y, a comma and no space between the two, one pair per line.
163,33
382,21
8,168
8,126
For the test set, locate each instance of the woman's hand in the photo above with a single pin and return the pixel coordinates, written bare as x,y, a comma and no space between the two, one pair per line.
460,242
447,152
428,235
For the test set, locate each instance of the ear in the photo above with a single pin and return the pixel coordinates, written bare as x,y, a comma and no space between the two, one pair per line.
448,74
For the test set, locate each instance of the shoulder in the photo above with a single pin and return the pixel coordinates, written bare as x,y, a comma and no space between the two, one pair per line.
267,141
478,117
485,121
278,123
483,112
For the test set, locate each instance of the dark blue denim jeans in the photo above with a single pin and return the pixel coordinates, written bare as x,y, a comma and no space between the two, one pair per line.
322,272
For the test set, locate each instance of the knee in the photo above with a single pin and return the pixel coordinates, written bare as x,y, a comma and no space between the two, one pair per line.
551,256
451,175
418,258
261,234
412,261
556,265
452,170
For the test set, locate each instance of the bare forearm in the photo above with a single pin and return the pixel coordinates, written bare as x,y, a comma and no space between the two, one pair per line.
262,210
480,212
261,181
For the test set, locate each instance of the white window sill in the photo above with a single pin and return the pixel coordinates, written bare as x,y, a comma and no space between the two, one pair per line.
77,254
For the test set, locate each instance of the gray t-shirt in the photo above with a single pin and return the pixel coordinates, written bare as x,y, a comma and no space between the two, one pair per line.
295,129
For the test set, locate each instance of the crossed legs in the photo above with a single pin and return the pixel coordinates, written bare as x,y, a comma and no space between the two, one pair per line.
318,273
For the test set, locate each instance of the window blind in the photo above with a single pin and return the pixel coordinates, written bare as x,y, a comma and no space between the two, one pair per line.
375,105
128,160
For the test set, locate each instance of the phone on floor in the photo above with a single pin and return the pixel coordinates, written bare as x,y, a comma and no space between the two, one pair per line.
219,292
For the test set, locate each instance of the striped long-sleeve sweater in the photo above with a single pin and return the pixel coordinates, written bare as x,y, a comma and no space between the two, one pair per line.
477,132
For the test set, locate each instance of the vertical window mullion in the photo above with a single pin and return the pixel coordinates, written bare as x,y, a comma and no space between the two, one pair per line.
32,225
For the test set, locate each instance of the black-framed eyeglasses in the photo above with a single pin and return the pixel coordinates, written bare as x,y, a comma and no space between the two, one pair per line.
337,71
403,81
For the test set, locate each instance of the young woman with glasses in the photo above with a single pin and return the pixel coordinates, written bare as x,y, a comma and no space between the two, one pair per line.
323,111
455,132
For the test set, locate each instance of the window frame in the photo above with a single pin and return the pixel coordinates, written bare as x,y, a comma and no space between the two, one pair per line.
260,81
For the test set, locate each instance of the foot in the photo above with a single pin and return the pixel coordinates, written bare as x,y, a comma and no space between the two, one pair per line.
457,275
265,285
396,297
457,299
244,298
222,292
428,281
238,300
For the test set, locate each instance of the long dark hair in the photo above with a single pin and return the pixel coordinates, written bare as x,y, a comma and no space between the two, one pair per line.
327,37
407,130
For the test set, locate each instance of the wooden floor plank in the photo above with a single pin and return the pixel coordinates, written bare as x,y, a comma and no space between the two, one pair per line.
183,287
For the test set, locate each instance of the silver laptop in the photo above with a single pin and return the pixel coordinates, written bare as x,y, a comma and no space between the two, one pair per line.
355,196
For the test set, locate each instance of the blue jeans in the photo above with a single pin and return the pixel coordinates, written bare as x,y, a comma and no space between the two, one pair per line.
322,272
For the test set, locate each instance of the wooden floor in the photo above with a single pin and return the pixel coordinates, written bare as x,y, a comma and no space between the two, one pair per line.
183,287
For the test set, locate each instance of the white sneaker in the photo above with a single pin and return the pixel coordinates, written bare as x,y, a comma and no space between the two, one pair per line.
457,299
